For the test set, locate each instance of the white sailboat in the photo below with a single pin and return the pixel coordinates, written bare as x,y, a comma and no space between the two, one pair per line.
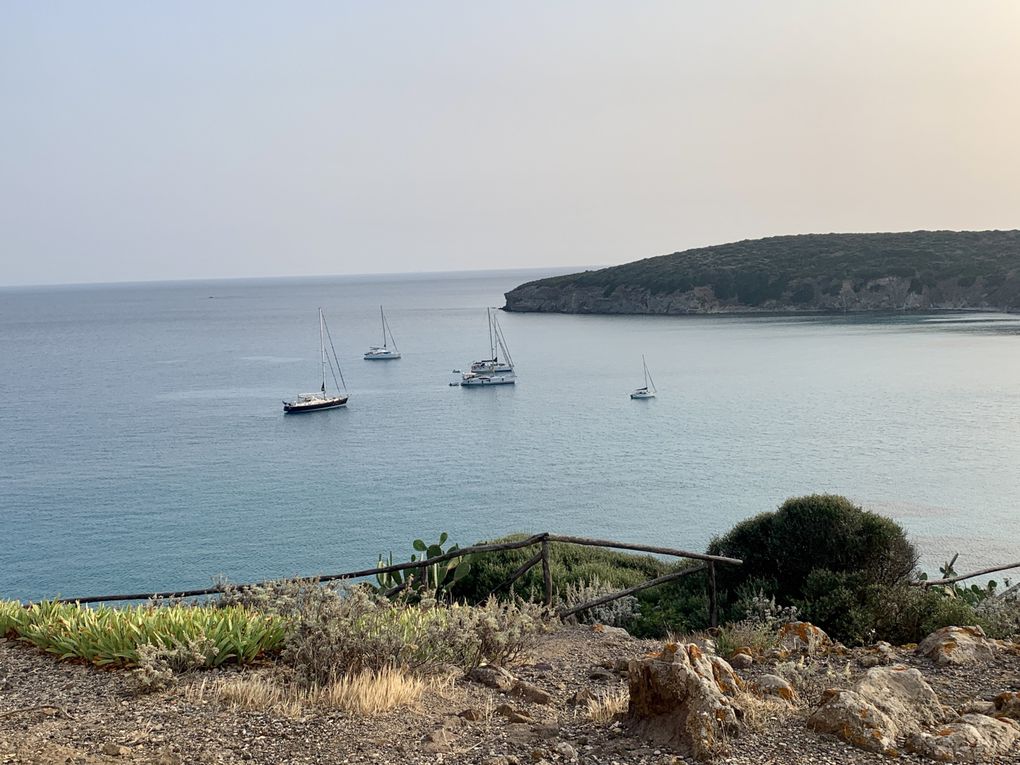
314,402
648,391
492,371
386,351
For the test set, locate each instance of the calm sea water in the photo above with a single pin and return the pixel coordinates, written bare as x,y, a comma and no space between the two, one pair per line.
144,447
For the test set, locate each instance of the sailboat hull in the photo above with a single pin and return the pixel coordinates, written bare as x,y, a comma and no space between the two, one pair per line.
300,407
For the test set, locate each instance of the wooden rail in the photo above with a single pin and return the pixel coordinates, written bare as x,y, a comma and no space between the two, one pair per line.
543,557
961,577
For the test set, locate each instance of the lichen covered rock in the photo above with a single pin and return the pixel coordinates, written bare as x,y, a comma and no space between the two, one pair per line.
774,685
972,738
957,646
805,638
888,702
679,698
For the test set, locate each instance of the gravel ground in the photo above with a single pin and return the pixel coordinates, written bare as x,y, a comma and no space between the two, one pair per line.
54,712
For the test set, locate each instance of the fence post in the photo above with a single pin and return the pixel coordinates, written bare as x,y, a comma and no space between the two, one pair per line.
547,574
713,605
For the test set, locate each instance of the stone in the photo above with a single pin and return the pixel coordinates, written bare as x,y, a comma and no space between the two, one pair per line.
520,734
546,730
878,655
607,631
115,750
566,751
1008,704
886,703
957,646
513,715
601,675
741,660
493,677
531,693
438,741
977,707
583,696
676,701
774,685
972,738
804,638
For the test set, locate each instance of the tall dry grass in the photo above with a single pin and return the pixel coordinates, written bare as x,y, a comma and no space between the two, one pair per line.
367,693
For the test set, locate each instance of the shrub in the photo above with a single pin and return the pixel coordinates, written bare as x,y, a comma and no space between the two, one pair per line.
334,631
822,554
616,613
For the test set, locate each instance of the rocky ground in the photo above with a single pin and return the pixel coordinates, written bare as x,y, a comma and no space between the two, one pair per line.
54,712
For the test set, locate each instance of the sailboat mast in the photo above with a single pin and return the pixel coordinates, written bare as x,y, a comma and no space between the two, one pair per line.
322,352
492,342
644,366
382,320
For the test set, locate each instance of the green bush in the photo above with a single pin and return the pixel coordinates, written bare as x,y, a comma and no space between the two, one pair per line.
821,553
820,531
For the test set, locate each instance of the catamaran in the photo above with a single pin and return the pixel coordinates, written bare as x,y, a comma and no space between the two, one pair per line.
648,391
492,371
383,352
314,402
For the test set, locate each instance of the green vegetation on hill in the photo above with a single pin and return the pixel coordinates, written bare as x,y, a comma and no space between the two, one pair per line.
921,269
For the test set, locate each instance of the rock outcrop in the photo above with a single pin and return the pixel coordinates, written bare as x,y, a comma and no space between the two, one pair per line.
682,698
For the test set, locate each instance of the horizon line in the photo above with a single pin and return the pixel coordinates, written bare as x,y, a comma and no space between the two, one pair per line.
292,277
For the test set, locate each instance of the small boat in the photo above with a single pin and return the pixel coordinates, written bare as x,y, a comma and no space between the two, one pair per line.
314,402
648,391
492,371
383,352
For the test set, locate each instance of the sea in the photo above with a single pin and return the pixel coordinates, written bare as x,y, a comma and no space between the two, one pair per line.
143,445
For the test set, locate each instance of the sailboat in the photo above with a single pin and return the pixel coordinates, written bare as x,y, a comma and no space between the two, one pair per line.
314,402
648,391
383,352
492,371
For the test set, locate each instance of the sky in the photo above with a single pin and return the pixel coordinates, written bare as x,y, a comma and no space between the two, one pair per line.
240,138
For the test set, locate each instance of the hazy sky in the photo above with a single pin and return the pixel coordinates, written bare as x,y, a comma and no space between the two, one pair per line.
143,140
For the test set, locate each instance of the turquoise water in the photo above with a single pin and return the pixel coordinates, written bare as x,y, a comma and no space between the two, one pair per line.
144,446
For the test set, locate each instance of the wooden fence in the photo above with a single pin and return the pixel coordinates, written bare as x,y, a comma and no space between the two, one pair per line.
542,557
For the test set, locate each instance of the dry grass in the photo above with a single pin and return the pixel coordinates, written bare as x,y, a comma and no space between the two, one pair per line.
811,678
759,712
607,705
368,693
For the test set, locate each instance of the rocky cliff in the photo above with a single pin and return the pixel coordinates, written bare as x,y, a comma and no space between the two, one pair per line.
920,270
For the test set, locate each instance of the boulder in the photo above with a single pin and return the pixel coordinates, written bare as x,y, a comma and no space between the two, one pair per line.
888,702
774,685
676,700
804,638
957,646
972,738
